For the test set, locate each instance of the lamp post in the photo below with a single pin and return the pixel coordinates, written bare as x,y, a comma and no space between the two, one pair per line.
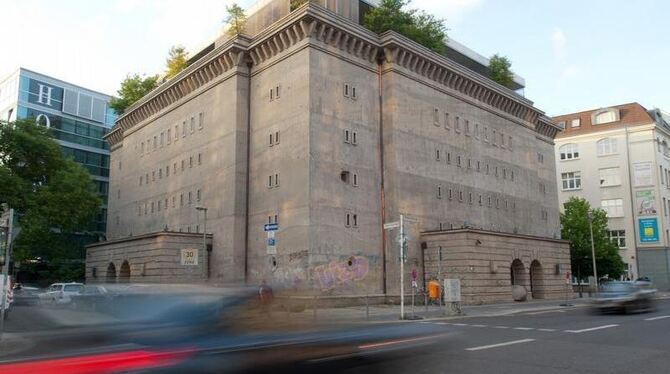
593,250
204,235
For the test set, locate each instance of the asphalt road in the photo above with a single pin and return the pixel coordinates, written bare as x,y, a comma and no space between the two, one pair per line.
558,341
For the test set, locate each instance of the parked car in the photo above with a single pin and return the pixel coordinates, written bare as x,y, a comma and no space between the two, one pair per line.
61,293
626,297
25,294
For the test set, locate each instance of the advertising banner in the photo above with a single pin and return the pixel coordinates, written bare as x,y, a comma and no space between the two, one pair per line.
648,230
645,203
642,174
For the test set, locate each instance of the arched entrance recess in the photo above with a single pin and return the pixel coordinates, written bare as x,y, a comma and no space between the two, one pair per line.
110,277
124,273
536,280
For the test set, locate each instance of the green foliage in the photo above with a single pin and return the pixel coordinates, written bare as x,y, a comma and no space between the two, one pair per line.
236,19
176,61
417,25
133,88
51,194
575,228
499,70
295,4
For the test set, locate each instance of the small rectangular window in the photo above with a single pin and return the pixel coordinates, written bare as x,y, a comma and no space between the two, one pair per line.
169,136
174,203
460,195
479,166
153,176
277,137
159,205
146,179
198,196
448,158
152,207
476,131
437,155
162,139
160,173
272,94
347,136
470,197
183,165
190,198
141,179
439,191
436,117
353,93
270,185
276,180
346,90
190,162
347,220
277,90
201,120
142,148
167,171
199,158
155,142
447,125
354,220
509,143
166,203
480,199
494,137
174,168
355,180
272,141
192,125
183,129
467,127
451,194
353,138
176,132
457,124
458,161
469,163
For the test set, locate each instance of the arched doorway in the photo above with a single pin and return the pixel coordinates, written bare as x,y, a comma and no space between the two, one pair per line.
536,280
111,273
124,273
517,273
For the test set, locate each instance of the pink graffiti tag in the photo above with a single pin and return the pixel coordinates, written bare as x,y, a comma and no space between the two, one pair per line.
345,272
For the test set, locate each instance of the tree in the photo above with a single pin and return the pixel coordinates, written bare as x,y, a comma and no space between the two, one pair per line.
236,19
133,88
499,70
417,25
575,228
176,61
295,4
52,195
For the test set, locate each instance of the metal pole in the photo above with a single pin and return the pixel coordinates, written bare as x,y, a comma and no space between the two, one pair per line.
593,252
402,267
439,273
5,272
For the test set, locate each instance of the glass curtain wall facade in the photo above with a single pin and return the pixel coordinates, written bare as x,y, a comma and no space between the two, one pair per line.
78,118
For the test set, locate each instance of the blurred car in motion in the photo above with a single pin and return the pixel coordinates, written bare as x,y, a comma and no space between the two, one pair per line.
60,293
195,330
626,297
91,297
25,294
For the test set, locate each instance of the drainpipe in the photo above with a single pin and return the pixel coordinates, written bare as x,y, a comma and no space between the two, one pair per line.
381,164
246,226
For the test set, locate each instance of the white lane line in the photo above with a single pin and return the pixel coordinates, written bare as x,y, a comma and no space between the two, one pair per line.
479,325
499,345
656,318
501,327
547,330
591,329
545,312
460,324
524,328
441,323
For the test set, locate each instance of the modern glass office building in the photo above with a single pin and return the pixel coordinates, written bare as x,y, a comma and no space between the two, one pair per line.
79,118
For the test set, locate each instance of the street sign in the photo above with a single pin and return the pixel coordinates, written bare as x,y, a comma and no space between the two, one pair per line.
271,227
271,243
391,225
189,256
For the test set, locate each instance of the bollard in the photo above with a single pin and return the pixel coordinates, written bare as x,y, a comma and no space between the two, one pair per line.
367,308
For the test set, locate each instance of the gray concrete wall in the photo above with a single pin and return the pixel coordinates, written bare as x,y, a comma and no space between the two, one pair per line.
655,264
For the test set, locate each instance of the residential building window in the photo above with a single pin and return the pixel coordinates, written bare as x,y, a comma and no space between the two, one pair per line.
610,177
277,91
561,125
613,207
448,158
544,215
509,143
665,210
460,195
511,173
270,184
152,207
660,173
479,166
571,180
605,117
469,163
575,123
480,199
166,203
569,151
607,146
540,158
470,197
174,168
201,120
276,180
277,137
146,178
543,188
618,237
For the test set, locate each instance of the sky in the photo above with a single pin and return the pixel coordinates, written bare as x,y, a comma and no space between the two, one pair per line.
574,55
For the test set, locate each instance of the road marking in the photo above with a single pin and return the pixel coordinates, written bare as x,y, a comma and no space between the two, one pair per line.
501,327
442,323
546,330
478,325
524,328
655,318
591,329
545,312
499,345
460,324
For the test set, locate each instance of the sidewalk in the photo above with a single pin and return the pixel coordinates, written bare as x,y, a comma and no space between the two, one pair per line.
391,313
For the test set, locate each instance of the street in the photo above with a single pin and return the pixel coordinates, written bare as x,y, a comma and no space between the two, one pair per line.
555,341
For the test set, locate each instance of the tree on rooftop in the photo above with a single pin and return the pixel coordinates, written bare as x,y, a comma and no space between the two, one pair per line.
133,88
176,61
575,229
499,70
236,19
417,25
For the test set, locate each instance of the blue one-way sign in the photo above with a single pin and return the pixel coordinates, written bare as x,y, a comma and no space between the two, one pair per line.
271,227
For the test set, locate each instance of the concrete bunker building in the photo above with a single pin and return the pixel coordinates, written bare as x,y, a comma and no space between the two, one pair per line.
328,130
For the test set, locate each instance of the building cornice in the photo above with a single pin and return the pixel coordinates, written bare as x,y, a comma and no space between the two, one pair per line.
152,235
492,233
321,26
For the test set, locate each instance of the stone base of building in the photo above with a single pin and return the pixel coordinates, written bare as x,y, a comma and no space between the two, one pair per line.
489,264
161,257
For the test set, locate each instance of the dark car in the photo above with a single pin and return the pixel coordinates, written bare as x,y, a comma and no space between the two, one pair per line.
626,297
188,330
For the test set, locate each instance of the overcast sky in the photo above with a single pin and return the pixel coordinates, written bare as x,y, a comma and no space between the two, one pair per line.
574,54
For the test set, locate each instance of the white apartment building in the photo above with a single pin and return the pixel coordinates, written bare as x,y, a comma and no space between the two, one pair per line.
617,158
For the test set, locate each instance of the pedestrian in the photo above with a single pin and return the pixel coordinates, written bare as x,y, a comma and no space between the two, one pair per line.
265,296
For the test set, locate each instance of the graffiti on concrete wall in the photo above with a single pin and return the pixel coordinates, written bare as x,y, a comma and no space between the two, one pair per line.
340,273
